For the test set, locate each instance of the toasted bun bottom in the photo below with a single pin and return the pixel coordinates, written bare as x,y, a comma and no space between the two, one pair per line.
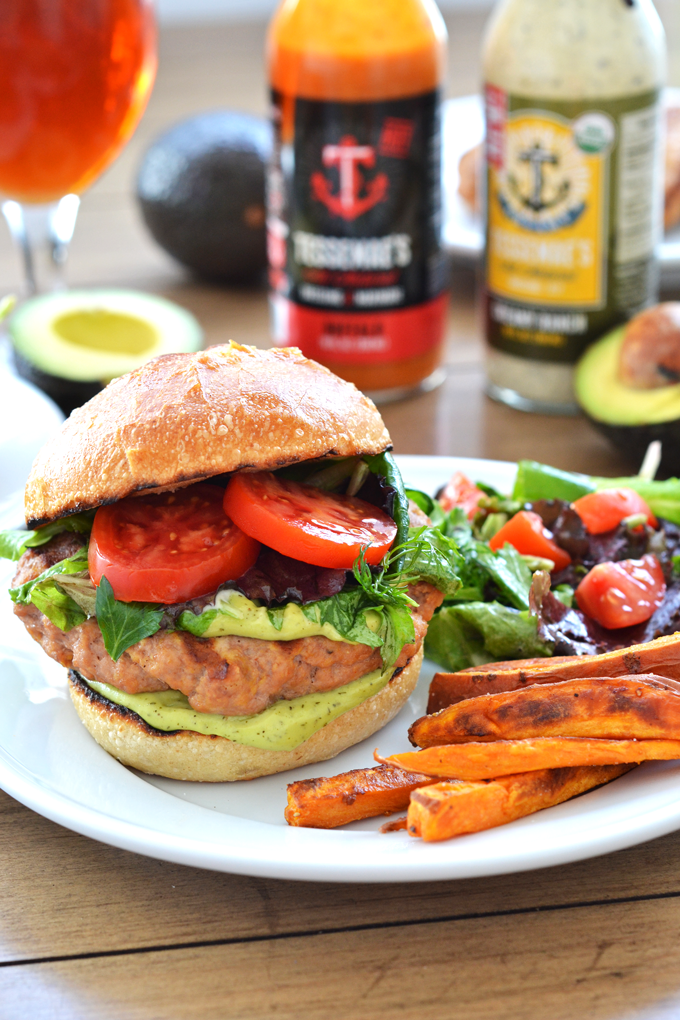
196,757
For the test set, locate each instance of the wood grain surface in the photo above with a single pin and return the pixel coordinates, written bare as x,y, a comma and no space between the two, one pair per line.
89,931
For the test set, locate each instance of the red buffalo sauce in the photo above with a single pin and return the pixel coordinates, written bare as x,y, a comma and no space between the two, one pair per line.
357,273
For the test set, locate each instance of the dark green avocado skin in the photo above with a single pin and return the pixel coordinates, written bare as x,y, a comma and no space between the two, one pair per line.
201,190
633,441
66,393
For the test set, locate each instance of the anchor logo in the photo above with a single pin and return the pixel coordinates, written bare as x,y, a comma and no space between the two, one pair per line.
537,157
349,202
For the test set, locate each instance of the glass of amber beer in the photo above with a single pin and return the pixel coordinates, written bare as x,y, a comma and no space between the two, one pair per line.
75,76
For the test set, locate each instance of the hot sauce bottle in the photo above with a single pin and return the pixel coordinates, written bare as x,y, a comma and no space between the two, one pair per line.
357,273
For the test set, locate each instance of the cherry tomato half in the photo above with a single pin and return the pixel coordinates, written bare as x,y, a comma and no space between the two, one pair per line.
168,547
526,532
306,523
460,491
621,594
604,510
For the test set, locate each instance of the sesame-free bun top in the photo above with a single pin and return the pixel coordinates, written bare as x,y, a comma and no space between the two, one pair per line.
181,418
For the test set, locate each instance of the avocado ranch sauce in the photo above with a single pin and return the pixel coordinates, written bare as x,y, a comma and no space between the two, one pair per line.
573,183
281,727
232,614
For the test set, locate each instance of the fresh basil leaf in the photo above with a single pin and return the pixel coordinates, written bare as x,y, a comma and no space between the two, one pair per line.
347,613
13,544
124,623
57,605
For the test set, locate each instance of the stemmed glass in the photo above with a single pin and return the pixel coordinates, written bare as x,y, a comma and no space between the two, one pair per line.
75,77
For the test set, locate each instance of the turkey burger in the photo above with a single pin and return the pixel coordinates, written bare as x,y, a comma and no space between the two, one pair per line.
221,551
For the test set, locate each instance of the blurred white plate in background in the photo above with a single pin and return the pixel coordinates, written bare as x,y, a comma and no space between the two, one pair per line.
27,419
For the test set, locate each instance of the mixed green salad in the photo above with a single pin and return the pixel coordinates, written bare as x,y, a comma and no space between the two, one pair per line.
512,605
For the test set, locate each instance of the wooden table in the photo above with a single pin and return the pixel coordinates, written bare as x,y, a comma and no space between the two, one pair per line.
90,931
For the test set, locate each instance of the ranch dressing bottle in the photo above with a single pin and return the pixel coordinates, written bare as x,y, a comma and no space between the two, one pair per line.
574,189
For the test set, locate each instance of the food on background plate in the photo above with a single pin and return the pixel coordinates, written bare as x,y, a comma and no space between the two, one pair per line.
72,343
201,191
628,384
204,649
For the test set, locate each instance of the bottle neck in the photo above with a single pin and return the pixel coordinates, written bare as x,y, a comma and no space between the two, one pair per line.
356,51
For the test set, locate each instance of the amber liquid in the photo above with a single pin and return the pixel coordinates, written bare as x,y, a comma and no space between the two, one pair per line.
75,76
358,51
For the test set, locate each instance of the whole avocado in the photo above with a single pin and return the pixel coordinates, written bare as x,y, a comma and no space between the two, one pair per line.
201,188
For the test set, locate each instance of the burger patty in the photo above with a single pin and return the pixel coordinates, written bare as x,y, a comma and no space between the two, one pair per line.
224,675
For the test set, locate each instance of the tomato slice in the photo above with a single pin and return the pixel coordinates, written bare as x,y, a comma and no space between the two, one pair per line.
604,510
621,594
305,523
460,491
168,547
527,533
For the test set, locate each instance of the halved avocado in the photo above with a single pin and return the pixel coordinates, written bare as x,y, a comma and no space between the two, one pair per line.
631,418
72,343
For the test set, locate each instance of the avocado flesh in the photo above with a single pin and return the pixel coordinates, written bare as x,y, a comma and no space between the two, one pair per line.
73,343
630,418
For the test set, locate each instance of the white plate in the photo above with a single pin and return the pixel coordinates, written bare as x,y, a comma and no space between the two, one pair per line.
463,128
50,763
27,420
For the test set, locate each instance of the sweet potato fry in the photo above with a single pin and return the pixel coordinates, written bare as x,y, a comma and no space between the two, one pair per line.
631,707
660,657
506,757
363,793
454,808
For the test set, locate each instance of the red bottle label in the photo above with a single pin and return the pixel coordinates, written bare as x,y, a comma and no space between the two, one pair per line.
357,271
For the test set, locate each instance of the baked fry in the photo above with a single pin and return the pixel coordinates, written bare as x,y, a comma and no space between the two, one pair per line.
363,793
631,707
454,808
660,657
506,757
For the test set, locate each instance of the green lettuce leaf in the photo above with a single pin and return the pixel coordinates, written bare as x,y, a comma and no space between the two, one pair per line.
45,592
467,635
124,623
540,481
57,606
13,544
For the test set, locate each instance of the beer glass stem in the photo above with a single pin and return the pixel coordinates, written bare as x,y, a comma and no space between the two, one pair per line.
42,233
